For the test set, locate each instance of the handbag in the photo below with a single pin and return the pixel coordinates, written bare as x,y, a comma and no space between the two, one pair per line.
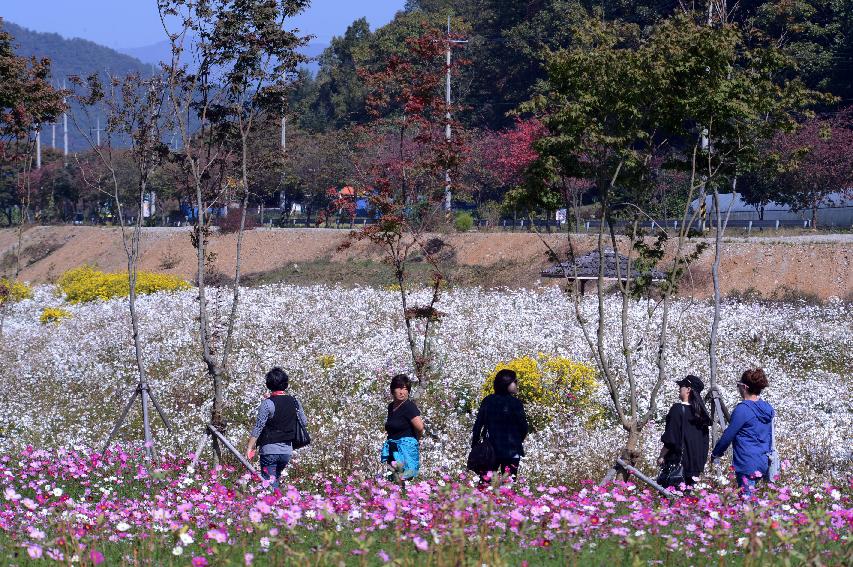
672,469
482,457
301,438
774,461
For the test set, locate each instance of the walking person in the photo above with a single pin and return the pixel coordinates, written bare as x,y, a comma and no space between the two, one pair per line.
749,432
275,427
501,419
404,427
686,436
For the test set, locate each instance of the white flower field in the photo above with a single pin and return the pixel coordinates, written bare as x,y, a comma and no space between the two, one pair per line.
63,384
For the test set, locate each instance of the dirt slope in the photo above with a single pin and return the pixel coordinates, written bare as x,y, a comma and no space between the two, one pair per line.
815,266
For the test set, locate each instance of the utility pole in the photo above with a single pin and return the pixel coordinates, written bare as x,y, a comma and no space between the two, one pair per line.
98,132
53,135
448,194
64,130
38,147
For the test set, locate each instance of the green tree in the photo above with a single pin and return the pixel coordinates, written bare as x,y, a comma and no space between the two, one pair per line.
616,102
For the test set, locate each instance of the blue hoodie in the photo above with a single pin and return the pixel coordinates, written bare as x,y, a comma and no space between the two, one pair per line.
750,435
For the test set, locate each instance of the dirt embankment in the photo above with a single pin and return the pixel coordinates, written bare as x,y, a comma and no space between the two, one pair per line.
807,266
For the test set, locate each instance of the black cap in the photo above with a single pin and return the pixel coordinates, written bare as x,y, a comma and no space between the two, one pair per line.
692,382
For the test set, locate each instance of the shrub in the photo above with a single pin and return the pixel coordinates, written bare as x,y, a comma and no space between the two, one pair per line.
549,384
85,283
13,291
463,222
230,223
53,315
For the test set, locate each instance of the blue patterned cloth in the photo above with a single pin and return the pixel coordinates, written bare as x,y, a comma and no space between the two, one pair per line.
406,455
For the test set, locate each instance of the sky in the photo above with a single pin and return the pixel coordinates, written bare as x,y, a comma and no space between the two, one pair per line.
135,23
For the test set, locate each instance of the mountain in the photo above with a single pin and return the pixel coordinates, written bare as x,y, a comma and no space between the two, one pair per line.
155,53
73,57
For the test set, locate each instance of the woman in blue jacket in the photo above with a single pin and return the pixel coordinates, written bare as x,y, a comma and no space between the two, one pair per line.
749,432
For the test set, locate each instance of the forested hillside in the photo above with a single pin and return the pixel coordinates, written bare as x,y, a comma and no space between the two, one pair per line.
72,57
508,42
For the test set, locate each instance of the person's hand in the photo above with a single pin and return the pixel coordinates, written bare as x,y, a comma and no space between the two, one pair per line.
660,460
715,462
250,453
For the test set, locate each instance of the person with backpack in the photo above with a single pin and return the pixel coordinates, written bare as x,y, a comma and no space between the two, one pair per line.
750,432
404,426
686,436
276,427
502,423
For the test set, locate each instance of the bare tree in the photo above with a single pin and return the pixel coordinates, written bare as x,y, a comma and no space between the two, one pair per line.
133,109
241,57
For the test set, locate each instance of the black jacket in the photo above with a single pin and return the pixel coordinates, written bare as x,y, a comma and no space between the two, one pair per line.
502,416
681,424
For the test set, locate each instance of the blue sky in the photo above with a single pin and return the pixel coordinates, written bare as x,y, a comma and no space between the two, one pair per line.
135,23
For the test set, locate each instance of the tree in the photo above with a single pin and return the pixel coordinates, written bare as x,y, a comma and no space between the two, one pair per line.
133,109
620,102
817,161
27,100
403,160
243,57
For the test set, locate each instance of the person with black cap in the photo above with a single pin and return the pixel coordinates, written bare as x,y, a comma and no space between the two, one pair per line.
686,436
501,419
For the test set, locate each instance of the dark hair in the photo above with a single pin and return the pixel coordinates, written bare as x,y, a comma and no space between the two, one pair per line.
701,417
503,379
401,381
755,380
277,379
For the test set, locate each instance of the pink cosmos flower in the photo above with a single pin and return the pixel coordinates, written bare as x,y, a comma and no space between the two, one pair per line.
199,562
248,558
420,543
384,556
96,557
34,551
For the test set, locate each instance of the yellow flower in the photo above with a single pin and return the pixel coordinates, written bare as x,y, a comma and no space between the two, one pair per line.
53,315
549,383
14,291
85,284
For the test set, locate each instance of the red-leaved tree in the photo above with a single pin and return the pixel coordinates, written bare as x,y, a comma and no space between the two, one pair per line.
404,156
818,161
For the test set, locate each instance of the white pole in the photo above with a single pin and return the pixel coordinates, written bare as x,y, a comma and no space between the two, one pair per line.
447,187
53,135
38,147
64,129
98,133
284,134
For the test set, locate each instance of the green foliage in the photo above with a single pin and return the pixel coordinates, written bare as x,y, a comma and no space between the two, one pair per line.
463,222
85,284
550,384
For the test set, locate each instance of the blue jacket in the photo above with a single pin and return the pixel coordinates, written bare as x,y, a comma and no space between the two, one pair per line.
750,435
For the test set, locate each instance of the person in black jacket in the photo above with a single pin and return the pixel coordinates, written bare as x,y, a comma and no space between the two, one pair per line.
686,436
501,418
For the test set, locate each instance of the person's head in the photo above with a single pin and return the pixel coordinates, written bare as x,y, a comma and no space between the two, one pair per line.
752,382
401,387
689,384
506,382
277,380
690,392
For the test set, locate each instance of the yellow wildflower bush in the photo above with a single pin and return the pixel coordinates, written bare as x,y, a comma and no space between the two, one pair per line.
85,284
13,291
549,384
53,315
